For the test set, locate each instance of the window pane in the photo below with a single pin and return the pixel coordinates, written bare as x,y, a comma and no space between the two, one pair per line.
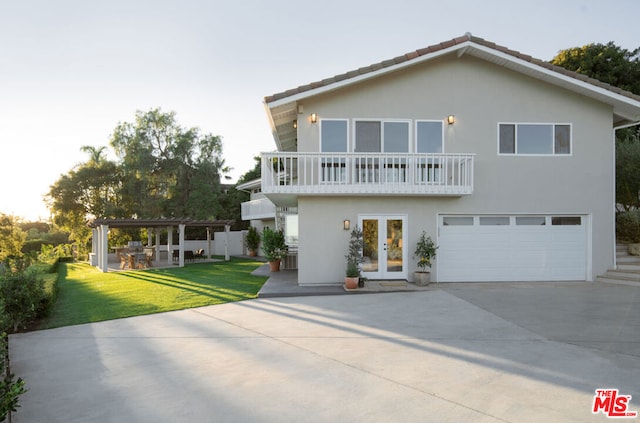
457,221
429,137
368,137
562,139
531,220
333,136
396,137
507,139
566,221
535,139
494,221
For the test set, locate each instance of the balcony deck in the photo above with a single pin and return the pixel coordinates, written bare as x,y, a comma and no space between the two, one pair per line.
290,174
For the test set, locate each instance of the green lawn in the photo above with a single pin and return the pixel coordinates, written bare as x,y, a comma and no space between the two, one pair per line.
87,295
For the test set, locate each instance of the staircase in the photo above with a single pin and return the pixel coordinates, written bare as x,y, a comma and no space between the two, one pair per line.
628,271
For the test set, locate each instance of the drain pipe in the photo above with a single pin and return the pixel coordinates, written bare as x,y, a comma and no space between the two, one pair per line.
615,208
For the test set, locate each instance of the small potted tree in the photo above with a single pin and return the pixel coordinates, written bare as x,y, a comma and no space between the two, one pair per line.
273,247
252,241
425,251
354,259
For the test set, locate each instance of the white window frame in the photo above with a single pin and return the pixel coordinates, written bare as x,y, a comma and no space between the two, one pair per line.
330,171
553,145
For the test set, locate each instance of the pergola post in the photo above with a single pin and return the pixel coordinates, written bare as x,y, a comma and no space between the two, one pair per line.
103,248
227,230
169,246
157,246
209,252
181,227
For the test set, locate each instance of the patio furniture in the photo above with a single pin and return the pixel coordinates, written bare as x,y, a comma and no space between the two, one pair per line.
199,254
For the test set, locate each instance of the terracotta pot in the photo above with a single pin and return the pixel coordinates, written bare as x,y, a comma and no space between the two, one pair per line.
252,253
351,283
274,266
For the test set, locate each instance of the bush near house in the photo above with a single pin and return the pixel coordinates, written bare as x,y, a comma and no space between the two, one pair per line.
628,226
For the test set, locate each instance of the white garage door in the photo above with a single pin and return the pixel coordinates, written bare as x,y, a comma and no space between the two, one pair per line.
512,248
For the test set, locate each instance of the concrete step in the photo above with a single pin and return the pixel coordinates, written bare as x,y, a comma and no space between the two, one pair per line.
617,281
623,274
629,267
628,260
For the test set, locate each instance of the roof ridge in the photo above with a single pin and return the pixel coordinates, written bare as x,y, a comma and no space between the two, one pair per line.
467,37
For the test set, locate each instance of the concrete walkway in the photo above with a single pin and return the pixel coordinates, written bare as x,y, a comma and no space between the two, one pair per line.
458,353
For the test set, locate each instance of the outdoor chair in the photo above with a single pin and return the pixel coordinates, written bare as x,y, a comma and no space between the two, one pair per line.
199,254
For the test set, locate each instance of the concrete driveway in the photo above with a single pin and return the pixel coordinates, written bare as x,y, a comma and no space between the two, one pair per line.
489,352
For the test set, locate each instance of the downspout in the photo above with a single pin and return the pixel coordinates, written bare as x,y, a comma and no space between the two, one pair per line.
615,128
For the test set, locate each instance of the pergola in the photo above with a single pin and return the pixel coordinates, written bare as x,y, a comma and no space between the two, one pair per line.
100,242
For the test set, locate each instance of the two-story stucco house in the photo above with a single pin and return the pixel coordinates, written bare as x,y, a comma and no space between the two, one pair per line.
506,161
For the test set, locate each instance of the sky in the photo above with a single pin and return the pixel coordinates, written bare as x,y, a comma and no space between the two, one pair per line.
71,70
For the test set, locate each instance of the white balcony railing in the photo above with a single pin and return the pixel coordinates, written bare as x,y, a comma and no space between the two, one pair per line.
261,208
367,173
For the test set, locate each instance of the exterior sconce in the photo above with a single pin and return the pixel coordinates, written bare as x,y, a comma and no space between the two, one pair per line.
451,119
295,124
346,224
314,118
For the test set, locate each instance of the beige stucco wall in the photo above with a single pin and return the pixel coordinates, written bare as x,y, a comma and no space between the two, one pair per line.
480,95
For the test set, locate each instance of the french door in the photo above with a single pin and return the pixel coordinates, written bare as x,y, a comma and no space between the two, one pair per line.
385,253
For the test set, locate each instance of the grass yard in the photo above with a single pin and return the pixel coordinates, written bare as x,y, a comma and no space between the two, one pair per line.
87,295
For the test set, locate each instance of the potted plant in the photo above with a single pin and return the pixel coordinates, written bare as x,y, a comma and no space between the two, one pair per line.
273,247
252,241
425,251
354,259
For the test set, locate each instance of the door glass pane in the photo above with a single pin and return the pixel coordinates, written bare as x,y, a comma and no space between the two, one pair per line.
429,137
494,221
394,245
457,221
370,250
368,139
566,221
531,220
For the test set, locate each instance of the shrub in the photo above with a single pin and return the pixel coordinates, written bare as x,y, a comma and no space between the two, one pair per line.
273,244
23,297
10,389
628,226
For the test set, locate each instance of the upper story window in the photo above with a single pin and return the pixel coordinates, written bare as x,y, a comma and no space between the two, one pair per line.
374,136
333,135
429,136
545,139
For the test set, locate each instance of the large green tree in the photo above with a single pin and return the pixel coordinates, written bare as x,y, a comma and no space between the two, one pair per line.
605,62
167,170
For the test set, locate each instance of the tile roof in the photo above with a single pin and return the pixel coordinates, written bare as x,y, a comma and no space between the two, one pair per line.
439,47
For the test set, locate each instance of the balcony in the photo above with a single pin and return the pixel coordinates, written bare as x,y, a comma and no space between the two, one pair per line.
261,208
290,174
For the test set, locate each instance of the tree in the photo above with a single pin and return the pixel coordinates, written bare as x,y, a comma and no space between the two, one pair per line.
167,170
604,62
89,190
628,172
12,237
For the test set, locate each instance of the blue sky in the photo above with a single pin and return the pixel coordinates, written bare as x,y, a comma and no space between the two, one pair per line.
71,70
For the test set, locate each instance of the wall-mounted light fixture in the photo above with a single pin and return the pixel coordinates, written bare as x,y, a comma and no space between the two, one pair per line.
346,224
295,124
451,119
314,118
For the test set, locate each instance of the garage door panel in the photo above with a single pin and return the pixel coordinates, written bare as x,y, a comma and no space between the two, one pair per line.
512,253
